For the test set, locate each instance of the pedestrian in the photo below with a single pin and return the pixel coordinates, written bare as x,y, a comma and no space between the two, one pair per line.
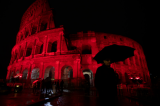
34,87
37,86
48,84
106,84
57,86
42,85
61,85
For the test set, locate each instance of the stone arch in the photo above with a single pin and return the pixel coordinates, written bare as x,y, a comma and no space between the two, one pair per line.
39,48
26,32
43,25
21,36
52,46
16,55
29,50
35,73
34,29
66,72
88,74
25,74
67,75
86,49
17,72
49,72
21,52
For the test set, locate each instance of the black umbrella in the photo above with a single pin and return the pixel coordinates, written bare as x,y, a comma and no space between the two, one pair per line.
115,53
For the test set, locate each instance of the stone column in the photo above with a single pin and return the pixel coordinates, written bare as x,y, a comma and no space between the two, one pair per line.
19,51
134,61
57,69
25,50
41,70
37,27
94,47
30,30
33,48
78,70
75,74
45,46
59,44
128,61
21,71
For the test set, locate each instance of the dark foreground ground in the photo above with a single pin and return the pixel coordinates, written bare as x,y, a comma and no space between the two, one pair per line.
68,98
77,98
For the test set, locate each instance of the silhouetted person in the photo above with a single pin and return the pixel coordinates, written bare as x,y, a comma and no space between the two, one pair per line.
42,85
57,86
34,87
61,85
48,84
37,86
106,84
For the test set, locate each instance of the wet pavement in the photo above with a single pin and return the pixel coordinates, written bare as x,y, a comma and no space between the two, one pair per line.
25,97
68,98
76,98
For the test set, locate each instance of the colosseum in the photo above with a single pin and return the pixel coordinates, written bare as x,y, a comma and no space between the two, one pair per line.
42,49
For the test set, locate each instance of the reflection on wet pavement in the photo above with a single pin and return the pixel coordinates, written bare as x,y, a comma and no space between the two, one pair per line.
78,99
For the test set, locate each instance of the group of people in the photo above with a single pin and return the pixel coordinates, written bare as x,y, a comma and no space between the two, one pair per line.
47,85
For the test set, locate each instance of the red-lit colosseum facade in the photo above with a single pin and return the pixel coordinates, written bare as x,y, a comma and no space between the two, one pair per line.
41,48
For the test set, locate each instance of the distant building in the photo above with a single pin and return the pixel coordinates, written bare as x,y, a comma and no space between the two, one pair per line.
42,49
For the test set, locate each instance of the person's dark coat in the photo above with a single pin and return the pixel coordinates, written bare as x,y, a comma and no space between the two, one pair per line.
48,83
106,84
61,85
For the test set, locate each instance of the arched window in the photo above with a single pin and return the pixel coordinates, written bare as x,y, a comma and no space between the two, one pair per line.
49,72
41,49
28,52
131,60
43,26
26,34
21,53
21,37
86,49
67,72
137,61
35,73
52,47
34,29
16,54
25,74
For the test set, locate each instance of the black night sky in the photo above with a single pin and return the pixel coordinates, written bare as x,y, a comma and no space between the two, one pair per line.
122,17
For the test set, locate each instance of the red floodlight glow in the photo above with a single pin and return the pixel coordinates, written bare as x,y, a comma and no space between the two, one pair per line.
137,78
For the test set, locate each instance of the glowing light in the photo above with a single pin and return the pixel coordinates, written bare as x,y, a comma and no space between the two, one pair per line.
17,85
137,77
131,77
46,98
48,104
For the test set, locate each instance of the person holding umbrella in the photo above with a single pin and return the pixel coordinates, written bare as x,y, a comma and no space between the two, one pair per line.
105,82
106,79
